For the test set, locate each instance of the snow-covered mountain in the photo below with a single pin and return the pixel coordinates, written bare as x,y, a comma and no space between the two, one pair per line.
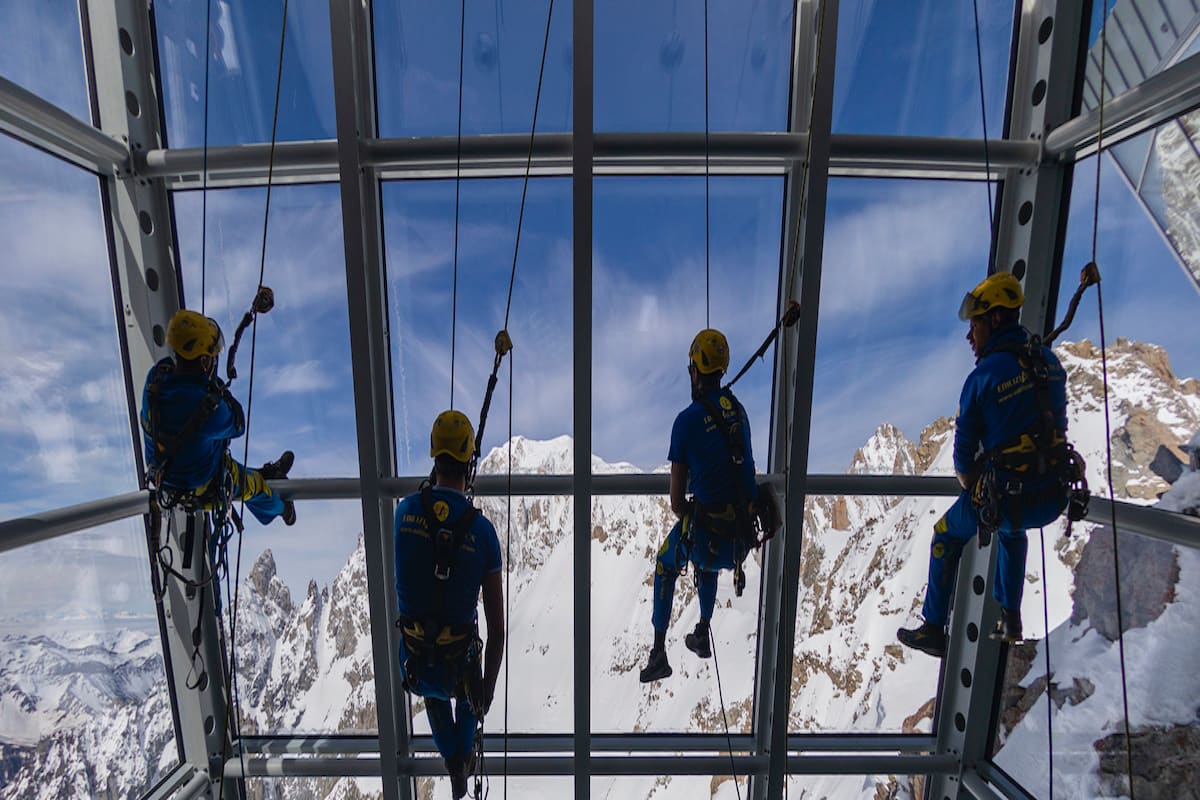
304,662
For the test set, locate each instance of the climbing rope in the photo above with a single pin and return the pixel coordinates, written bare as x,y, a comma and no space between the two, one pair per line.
462,34
1046,648
204,159
721,697
707,212
1107,413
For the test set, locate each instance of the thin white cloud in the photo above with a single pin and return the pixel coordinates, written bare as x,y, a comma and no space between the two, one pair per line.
305,377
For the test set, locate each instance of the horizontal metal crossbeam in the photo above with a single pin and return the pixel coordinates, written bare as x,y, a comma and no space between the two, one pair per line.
504,155
31,119
1161,97
1164,526
498,763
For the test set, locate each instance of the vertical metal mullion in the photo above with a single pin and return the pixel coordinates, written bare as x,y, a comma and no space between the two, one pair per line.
803,59
582,142
366,291
800,413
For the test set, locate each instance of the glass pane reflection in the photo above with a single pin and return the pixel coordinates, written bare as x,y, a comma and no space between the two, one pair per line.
243,71
417,49
911,68
43,53
65,430
863,574
650,65
81,668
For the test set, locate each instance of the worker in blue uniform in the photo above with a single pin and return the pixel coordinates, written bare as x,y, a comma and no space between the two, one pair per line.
1009,441
446,553
189,417
712,460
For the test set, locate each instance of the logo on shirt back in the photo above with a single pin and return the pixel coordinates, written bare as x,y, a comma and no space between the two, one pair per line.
441,510
726,404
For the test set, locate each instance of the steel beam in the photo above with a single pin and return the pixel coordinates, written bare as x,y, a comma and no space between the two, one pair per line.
504,155
607,765
1159,98
1153,523
582,153
804,226
366,291
119,49
804,743
30,119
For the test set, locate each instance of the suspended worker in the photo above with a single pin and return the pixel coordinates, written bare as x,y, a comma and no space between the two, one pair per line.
1010,456
711,459
189,417
446,552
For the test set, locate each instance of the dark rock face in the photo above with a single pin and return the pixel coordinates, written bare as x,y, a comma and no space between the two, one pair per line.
1149,572
1166,464
1165,766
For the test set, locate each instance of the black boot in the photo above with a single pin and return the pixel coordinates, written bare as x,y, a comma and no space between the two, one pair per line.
928,638
1008,627
280,467
289,512
456,768
657,667
698,640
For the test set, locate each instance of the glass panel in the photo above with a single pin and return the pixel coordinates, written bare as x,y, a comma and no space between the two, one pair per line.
65,434
538,549
358,788
434,342
891,352
303,638
649,291
626,535
856,787
417,51
304,388
650,65
912,68
43,52
81,668
673,787
1144,38
243,71
863,576
1149,312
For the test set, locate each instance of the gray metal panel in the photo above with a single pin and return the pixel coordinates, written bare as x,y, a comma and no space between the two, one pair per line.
1029,228
366,292
31,119
504,155
583,43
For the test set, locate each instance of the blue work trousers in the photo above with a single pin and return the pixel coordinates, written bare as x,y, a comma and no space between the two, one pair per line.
951,533
453,730
708,554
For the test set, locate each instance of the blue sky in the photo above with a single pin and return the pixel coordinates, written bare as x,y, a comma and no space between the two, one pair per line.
899,253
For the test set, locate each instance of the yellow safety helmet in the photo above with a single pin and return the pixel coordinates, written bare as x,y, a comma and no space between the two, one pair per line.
452,435
709,352
192,335
998,290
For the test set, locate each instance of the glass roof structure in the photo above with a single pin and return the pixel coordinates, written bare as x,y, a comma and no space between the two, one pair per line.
601,181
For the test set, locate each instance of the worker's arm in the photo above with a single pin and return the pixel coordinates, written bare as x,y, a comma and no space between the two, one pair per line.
679,479
493,653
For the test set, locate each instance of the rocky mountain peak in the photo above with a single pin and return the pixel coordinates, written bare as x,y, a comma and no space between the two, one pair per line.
887,452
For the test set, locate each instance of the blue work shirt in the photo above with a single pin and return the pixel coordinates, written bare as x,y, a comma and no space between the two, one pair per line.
477,557
197,460
697,441
998,401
